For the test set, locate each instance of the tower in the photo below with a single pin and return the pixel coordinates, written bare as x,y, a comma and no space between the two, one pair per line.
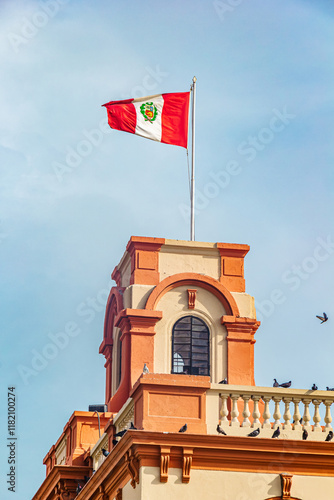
179,348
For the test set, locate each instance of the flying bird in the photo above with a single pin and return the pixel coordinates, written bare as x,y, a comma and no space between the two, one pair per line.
183,428
224,381
323,318
220,430
314,387
329,388
277,432
305,434
105,453
132,427
329,436
145,369
254,433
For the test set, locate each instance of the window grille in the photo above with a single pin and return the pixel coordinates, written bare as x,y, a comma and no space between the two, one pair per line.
191,347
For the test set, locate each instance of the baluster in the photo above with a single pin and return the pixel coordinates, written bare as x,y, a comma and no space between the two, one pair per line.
287,414
316,416
296,415
266,414
256,412
246,413
235,413
277,413
224,410
307,415
328,416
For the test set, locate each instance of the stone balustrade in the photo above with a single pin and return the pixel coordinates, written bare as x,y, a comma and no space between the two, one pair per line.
241,409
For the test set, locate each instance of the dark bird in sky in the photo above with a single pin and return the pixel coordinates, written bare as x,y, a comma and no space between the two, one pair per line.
120,433
329,436
323,318
105,453
277,432
314,387
305,434
220,430
183,428
132,426
114,442
254,433
329,388
224,381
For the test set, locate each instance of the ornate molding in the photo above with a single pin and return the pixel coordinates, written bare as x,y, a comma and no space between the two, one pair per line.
119,494
191,297
133,467
286,480
187,463
164,463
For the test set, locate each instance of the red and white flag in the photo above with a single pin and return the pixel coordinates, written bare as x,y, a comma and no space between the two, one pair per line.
162,117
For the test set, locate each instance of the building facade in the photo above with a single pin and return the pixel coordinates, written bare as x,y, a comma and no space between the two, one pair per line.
179,343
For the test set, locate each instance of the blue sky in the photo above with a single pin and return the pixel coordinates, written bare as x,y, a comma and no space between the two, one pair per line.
73,192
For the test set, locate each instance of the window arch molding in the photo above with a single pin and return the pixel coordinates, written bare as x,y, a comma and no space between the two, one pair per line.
191,346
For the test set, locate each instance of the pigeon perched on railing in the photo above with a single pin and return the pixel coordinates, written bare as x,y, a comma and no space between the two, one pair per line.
305,434
220,430
120,433
329,388
145,369
132,427
254,433
224,381
323,318
105,453
277,432
286,385
329,436
314,387
183,428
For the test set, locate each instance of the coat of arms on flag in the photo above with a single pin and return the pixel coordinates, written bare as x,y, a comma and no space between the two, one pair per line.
149,111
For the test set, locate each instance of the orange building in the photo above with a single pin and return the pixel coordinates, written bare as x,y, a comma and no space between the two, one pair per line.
179,347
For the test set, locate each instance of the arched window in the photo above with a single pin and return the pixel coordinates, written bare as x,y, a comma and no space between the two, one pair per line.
191,347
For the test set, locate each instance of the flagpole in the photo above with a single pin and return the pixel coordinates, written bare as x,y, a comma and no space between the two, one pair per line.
192,215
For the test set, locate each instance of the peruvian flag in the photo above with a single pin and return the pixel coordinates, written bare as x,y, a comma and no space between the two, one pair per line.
162,117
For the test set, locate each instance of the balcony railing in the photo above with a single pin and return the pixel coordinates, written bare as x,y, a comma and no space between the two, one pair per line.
241,409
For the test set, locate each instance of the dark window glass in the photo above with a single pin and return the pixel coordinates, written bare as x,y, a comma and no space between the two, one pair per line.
190,347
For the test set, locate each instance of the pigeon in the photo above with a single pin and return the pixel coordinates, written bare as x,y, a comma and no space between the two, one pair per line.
329,388
114,442
224,381
145,369
132,427
314,387
323,318
220,430
286,385
254,433
329,436
79,488
105,453
277,432
305,434
120,433
183,428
